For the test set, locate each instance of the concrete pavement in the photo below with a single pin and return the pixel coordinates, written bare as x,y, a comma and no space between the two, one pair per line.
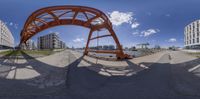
118,68
153,83
30,76
149,77
185,69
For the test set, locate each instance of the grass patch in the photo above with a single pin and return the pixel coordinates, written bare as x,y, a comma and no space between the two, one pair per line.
38,52
29,52
196,54
9,52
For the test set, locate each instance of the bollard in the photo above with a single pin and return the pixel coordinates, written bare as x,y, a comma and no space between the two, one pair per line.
170,57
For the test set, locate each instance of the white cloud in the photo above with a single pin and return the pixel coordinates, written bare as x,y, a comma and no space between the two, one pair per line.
149,32
172,40
167,15
11,24
149,13
54,32
57,33
135,33
16,26
78,40
135,25
117,18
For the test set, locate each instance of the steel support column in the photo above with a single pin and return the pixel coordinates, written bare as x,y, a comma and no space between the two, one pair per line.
88,17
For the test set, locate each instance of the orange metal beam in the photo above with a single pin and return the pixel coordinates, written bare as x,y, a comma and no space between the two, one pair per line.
100,36
76,13
90,20
48,17
88,41
40,20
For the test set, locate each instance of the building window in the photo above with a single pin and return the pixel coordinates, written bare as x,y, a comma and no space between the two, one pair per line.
197,40
193,41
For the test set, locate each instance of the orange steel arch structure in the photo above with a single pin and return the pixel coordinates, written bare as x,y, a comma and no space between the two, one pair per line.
91,18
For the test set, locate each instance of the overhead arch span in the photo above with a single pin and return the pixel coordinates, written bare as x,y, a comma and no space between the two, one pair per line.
87,17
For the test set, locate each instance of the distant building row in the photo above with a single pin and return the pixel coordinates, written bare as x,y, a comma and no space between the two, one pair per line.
30,45
50,41
104,47
6,37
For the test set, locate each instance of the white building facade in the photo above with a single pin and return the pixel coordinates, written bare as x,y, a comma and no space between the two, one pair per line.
6,37
30,45
49,41
192,35
62,45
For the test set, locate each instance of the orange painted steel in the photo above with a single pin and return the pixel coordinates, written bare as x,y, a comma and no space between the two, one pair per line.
91,18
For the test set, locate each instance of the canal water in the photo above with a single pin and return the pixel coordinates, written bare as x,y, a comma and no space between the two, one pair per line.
132,53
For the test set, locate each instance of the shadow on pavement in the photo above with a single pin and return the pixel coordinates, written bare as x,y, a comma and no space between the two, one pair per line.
158,82
49,79
153,83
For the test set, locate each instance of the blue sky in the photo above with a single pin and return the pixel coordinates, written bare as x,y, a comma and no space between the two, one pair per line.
134,21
